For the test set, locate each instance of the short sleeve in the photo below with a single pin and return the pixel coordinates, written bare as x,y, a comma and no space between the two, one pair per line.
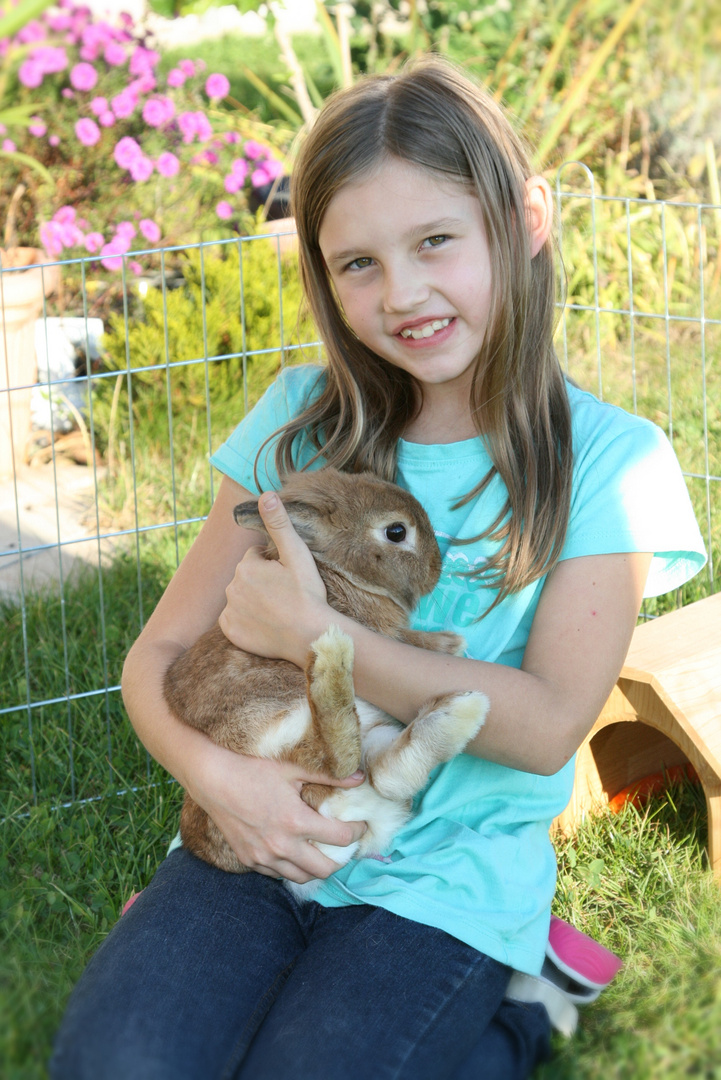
630,495
294,388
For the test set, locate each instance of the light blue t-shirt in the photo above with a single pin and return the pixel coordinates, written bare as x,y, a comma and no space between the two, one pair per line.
475,859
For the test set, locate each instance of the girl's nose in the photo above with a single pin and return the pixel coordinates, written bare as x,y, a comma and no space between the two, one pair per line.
404,290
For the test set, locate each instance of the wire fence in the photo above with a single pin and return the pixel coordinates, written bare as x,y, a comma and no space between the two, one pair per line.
105,478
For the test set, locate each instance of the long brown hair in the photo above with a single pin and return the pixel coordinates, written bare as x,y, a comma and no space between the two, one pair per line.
432,116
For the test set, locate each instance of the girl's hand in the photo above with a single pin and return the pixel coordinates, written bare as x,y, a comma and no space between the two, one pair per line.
276,608
256,804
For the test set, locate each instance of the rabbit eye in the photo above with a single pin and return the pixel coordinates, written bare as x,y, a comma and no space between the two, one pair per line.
396,532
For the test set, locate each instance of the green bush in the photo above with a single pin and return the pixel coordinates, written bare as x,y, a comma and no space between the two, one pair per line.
190,363
236,301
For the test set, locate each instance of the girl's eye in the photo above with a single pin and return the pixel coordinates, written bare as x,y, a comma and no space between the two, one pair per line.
359,264
435,241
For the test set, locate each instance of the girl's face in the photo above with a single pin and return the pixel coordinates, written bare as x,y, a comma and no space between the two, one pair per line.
408,256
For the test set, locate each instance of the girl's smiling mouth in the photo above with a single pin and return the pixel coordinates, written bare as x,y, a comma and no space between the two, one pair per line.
424,330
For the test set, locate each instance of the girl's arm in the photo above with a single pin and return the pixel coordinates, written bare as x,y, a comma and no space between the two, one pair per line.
255,803
539,713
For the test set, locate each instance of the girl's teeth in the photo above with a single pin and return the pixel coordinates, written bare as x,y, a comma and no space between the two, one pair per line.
425,331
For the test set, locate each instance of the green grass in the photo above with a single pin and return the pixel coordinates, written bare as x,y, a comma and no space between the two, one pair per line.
65,874
638,882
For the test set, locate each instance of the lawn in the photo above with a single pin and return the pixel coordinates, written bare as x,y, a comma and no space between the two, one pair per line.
637,881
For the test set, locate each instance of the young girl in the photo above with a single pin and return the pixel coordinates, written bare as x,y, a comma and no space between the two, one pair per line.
426,257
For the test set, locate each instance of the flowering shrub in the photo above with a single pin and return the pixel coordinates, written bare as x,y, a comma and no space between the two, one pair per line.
138,158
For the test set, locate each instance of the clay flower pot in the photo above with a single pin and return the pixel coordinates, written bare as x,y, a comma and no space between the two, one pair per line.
275,199
23,284
284,229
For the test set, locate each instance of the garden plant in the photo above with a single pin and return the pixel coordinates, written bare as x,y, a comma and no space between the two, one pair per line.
119,155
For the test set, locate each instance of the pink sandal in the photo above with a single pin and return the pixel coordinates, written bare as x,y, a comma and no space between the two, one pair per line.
129,903
584,962
575,971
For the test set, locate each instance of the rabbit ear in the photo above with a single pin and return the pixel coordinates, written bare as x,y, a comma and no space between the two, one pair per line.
305,518
246,514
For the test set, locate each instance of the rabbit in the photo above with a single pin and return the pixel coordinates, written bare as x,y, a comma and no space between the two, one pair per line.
377,555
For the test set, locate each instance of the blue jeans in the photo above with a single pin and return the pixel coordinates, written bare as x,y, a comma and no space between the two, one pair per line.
212,975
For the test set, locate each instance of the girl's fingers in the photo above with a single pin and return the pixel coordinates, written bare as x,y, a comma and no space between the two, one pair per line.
291,548
307,862
330,781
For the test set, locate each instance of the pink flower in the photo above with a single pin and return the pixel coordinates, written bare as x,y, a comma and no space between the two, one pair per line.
217,86
239,168
194,124
254,150
59,23
50,238
176,77
107,119
9,146
54,140
224,210
141,168
67,92
83,77
90,53
135,267
123,104
30,74
233,183
32,31
158,111
52,58
126,152
65,215
110,251
87,131
187,67
167,164
114,54
93,242
97,34
37,128
70,235
203,127
150,230
259,178
111,254
266,172
144,84
99,105
143,60
186,123
125,230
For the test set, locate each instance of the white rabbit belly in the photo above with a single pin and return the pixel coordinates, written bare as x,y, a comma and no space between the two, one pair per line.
277,740
378,730
383,817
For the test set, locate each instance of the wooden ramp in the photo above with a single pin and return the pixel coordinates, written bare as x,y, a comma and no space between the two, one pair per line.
664,711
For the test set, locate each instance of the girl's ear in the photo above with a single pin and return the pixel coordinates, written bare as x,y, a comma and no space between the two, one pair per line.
539,212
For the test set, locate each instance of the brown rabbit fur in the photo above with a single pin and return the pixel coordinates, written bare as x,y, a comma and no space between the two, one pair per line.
377,555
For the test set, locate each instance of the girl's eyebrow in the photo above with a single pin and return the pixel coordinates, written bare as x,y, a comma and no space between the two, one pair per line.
431,228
